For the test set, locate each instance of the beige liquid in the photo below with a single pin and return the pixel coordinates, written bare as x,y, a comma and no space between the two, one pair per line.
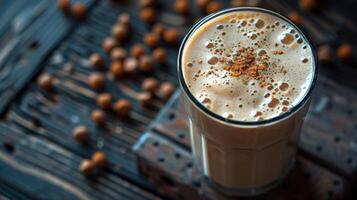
252,158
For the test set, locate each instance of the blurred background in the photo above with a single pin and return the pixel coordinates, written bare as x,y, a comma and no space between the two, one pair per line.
81,81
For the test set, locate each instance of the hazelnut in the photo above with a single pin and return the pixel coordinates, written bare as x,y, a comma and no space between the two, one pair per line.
124,19
237,3
87,168
81,134
137,50
145,3
69,68
98,116
182,6
171,36
144,98
96,60
165,90
122,107
213,6
147,15
79,10
131,65
295,17
146,63
99,159
308,4
64,5
96,80
104,100
118,54
202,4
151,39
325,54
119,31
45,81
109,44
150,84
117,68
158,29
345,52
160,55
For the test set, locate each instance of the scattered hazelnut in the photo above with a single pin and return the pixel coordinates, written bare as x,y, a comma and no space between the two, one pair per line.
87,168
202,4
151,39
99,159
64,5
69,68
118,54
307,4
96,80
96,60
122,107
79,10
213,6
131,65
137,50
147,15
295,17
144,98
160,55
166,89
45,81
109,44
124,19
104,100
150,84
325,53
158,29
145,3
98,116
119,31
117,68
81,134
345,52
146,63
237,3
182,6
171,36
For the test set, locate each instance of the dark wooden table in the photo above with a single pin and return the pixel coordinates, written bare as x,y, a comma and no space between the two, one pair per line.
39,158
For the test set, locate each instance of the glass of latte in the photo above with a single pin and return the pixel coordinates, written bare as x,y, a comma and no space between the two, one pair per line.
246,75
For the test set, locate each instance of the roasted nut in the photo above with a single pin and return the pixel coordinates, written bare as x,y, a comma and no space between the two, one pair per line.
202,4
131,65
150,84
87,168
137,50
64,5
96,60
118,54
151,39
45,81
295,17
160,55
79,10
147,15
122,107
117,68
99,159
98,116
119,31
165,90
109,44
146,3
345,52
124,19
104,100
146,63
81,134
213,6
69,68
171,36
96,80
237,3
144,98
159,29
307,4
325,54
182,6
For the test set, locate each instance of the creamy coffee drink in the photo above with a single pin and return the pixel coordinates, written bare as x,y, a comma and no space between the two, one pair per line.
247,66
246,76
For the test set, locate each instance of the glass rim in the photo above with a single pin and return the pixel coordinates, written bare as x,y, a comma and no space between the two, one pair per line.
215,116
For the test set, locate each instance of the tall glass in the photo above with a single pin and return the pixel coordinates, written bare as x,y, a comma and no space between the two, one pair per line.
243,157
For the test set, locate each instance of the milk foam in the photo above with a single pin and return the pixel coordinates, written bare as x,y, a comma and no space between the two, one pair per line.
240,97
